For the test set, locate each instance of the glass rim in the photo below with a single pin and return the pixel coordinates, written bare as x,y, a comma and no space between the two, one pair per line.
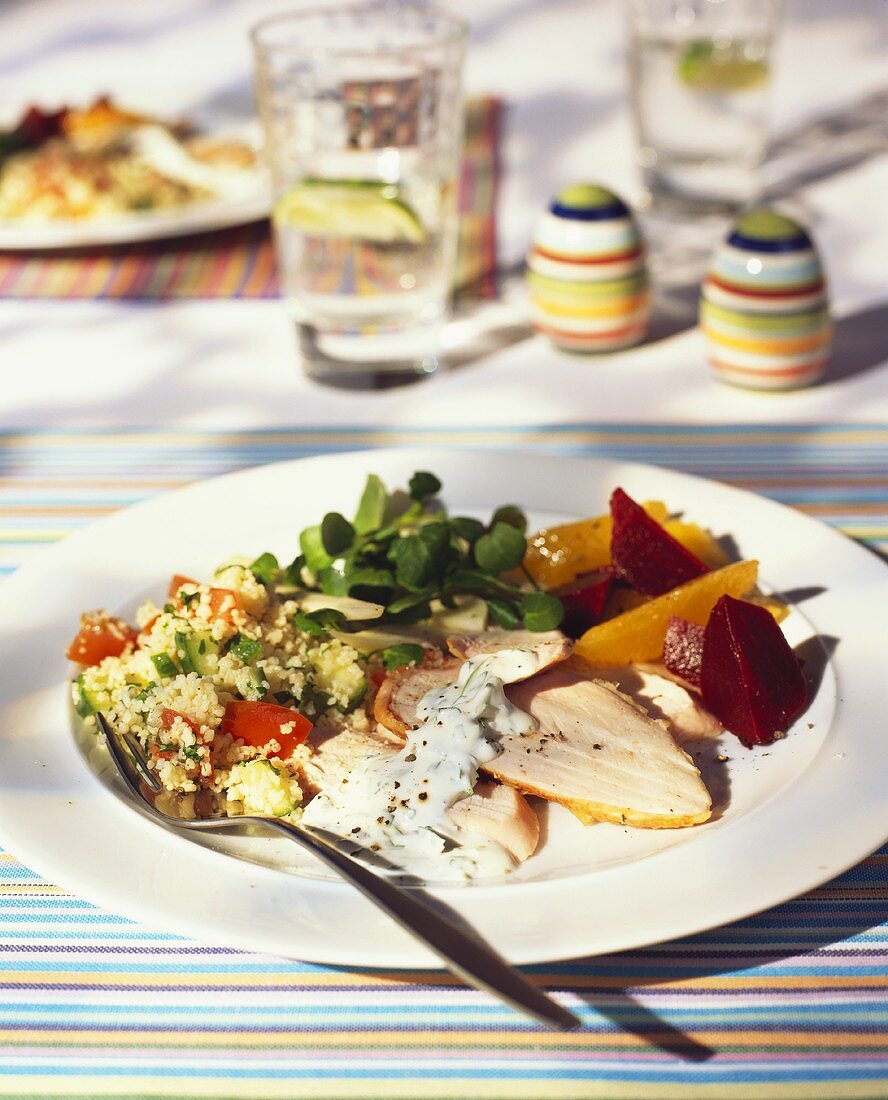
455,30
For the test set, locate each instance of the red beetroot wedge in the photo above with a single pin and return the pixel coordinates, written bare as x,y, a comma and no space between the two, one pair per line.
645,555
584,601
750,678
683,649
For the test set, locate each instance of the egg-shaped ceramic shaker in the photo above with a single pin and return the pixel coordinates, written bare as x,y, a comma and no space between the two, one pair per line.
764,310
587,275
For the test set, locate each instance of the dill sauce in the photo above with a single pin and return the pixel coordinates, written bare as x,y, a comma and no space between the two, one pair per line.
396,805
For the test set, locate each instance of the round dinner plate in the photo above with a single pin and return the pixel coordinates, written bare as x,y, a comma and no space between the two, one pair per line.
787,817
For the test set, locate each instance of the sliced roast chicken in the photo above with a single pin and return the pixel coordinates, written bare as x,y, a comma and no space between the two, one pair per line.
596,751
550,646
663,696
600,754
499,812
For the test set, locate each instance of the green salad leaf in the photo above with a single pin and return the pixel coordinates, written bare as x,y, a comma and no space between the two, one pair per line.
423,485
406,553
541,611
266,568
511,514
371,509
501,549
318,622
312,546
337,534
404,653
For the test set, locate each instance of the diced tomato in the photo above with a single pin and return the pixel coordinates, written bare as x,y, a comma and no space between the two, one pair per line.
176,583
146,630
168,717
258,723
225,603
378,676
100,636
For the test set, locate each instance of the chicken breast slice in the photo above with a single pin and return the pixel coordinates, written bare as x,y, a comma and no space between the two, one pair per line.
499,812
662,696
400,693
335,755
550,646
600,755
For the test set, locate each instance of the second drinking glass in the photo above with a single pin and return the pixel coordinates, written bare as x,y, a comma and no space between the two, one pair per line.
701,76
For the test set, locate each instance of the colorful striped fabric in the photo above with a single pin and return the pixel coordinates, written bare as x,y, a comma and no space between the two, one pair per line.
239,262
788,1004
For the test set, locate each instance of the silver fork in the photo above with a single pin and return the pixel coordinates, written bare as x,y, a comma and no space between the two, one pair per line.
469,957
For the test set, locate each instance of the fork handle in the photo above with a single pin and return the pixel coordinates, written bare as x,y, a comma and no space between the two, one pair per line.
464,952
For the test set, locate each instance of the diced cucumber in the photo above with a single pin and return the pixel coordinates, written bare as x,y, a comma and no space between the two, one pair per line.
199,648
164,664
231,565
357,695
247,649
182,652
255,686
337,675
88,702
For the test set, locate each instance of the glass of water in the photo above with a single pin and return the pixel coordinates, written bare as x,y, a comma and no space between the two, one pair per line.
701,73
362,115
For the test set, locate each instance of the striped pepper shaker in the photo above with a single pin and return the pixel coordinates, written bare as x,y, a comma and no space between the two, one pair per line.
763,309
587,276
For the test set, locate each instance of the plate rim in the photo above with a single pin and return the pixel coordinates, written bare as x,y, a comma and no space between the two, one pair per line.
441,455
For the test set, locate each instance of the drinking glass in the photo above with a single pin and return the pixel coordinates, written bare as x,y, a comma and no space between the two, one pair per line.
362,114
700,74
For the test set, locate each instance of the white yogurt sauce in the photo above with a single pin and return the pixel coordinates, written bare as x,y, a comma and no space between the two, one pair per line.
396,804
169,157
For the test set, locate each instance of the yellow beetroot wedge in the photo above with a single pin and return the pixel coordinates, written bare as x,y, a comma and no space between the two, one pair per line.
699,541
644,554
750,678
639,634
558,555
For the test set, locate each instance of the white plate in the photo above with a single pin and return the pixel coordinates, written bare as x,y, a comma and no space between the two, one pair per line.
790,816
197,217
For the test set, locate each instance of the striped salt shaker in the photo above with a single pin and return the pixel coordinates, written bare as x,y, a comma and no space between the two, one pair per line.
587,276
763,310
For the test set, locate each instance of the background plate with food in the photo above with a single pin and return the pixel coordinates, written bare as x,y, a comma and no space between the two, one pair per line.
104,174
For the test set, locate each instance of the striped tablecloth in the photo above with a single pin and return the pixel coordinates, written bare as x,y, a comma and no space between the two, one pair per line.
791,1003
240,262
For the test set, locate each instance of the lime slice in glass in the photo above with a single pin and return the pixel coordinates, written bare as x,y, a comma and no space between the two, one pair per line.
707,67
368,210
